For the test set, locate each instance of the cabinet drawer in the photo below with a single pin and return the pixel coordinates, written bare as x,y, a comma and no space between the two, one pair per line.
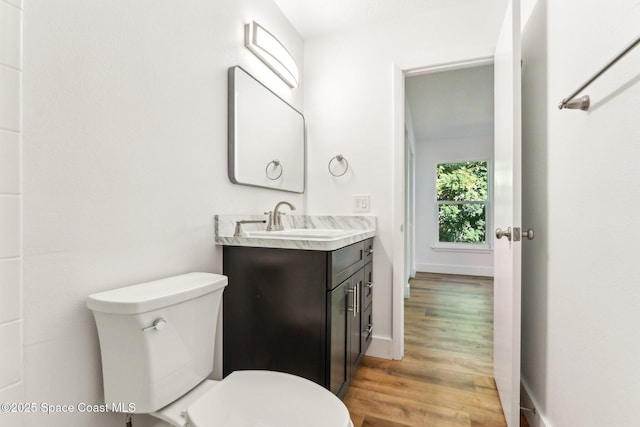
367,328
368,250
345,262
367,286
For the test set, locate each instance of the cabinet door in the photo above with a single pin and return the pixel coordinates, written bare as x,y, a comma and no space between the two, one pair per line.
354,320
338,338
274,311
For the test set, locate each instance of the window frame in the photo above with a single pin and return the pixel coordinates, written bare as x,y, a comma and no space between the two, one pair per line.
488,204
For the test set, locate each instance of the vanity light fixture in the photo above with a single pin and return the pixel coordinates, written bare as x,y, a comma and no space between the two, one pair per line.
271,51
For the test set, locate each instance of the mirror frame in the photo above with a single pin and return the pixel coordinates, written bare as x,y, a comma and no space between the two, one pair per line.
231,133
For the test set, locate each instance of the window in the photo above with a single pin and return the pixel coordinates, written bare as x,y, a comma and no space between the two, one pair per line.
462,191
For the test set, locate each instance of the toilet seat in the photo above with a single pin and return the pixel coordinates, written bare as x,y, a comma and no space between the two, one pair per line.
267,399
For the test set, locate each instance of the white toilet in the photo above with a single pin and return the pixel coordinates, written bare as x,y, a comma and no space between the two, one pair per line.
157,343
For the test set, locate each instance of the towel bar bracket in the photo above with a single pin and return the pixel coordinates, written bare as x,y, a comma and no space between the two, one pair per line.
572,103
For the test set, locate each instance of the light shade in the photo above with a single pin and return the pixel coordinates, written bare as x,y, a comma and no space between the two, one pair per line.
269,49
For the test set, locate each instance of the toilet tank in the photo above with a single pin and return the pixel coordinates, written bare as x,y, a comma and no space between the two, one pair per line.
157,338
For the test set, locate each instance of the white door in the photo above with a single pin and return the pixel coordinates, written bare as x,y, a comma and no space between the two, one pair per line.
507,214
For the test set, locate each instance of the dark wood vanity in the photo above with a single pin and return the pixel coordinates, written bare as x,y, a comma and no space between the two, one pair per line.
305,312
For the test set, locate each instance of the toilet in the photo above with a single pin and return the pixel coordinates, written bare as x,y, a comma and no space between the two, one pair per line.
157,341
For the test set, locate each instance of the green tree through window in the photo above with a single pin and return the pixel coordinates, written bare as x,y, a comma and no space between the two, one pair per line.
462,195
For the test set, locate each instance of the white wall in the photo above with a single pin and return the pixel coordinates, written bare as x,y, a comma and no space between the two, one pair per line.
349,105
580,278
11,322
428,155
125,165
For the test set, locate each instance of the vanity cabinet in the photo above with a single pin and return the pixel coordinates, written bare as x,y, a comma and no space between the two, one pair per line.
304,312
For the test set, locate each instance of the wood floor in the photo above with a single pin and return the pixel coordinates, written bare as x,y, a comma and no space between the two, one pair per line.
446,376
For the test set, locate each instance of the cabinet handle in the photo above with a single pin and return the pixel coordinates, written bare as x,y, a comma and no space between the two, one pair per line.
369,285
369,328
370,251
355,308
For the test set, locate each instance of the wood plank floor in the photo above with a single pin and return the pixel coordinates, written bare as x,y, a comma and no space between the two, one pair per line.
446,376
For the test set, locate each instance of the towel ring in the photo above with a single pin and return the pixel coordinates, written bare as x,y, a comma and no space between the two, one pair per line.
276,163
339,158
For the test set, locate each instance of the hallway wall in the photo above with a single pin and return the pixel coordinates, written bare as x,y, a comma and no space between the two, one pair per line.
443,260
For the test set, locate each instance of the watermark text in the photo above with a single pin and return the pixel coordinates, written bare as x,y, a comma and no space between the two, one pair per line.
81,407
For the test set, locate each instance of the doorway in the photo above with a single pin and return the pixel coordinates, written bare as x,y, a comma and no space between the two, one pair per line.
408,163
448,114
450,117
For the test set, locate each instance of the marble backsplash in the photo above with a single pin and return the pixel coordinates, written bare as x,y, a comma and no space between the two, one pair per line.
225,225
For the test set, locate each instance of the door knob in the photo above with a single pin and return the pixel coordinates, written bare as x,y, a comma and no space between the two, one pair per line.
516,234
500,233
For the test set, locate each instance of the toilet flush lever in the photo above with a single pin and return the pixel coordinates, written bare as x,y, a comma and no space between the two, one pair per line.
158,324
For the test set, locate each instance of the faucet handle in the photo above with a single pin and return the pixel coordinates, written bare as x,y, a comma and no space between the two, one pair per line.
238,232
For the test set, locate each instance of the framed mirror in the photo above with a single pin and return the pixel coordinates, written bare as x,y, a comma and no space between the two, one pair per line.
266,136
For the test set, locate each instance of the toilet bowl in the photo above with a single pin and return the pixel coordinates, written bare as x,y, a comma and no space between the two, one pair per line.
157,346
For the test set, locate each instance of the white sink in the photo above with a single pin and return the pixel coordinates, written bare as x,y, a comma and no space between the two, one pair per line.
303,234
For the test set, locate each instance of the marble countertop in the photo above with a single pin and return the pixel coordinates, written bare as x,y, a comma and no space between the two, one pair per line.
356,229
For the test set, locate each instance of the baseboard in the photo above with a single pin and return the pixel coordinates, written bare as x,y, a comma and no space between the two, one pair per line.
527,400
381,347
466,270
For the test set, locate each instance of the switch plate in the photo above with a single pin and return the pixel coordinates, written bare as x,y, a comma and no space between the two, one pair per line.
361,203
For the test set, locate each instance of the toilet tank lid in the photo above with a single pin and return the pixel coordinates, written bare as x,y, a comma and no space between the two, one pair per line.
156,294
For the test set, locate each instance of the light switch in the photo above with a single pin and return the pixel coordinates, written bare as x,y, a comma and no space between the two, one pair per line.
361,203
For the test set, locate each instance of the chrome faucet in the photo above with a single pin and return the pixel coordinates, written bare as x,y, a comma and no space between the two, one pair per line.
275,220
